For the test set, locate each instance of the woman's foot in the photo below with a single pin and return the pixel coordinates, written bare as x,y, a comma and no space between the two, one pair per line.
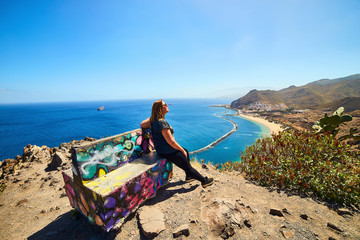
208,182
189,179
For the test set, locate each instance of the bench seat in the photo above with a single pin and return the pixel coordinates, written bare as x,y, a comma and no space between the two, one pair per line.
112,181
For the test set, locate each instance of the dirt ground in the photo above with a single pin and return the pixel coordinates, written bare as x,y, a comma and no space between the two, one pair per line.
34,206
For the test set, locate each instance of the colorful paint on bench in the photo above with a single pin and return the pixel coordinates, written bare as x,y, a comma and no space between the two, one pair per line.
101,157
114,208
111,205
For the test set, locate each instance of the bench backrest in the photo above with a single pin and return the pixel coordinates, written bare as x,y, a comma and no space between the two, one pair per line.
97,158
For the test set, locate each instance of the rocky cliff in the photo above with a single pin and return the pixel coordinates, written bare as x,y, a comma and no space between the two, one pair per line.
34,206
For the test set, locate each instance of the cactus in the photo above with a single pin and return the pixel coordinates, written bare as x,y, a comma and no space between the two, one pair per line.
331,124
351,135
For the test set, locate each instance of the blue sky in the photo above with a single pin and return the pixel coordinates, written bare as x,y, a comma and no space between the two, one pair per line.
70,50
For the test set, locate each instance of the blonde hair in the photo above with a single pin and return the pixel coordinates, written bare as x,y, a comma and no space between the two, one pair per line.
156,111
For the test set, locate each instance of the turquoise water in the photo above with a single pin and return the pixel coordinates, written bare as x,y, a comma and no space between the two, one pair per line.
192,119
230,148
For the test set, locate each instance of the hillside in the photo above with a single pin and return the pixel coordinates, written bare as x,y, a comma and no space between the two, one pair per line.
349,103
317,93
34,205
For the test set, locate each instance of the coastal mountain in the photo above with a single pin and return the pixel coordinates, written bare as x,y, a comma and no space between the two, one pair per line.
312,95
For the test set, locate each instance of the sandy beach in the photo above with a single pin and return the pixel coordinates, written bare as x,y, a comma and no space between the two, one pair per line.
274,127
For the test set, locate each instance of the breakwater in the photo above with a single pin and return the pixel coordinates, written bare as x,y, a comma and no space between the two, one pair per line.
220,139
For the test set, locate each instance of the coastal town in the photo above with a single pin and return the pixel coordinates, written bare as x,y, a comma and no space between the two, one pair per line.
261,106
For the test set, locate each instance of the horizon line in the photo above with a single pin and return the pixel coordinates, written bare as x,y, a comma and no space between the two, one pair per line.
115,100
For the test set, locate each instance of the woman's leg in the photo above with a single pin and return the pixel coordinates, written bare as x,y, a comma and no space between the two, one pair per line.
182,162
188,178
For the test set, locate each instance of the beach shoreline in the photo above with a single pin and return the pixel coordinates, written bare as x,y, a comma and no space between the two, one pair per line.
273,127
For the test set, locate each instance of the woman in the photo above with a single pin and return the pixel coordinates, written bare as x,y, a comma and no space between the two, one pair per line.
167,147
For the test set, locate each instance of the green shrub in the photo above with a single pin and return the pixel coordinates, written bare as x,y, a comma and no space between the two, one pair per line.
307,162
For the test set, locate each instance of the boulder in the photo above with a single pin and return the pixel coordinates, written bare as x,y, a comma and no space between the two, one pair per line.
182,230
8,167
65,146
44,153
276,212
287,233
35,153
228,232
344,211
90,139
151,220
334,227
29,152
204,166
220,213
57,160
247,223
304,216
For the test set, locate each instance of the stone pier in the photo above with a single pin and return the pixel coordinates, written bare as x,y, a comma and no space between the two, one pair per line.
218,140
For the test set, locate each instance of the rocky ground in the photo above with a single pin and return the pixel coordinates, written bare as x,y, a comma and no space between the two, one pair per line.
34,206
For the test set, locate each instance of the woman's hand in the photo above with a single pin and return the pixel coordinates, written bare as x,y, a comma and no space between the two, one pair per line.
185,153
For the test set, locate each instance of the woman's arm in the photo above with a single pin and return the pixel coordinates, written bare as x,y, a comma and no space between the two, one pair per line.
171,140
145,123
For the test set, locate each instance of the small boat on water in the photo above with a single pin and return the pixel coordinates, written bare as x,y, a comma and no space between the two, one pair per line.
100,108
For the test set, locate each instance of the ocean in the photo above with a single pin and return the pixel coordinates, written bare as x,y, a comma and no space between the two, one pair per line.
194,122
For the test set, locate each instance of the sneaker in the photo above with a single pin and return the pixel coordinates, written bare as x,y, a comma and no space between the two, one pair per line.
208,182
189,179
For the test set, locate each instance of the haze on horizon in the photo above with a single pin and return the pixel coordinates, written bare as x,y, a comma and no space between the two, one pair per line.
89,50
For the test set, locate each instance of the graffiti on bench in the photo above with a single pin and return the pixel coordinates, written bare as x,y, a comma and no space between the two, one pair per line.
106,156
124,189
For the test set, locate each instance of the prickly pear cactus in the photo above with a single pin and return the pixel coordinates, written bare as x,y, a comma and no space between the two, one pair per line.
351,135
331,124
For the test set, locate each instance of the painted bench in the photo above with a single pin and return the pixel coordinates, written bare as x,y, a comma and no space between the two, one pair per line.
111,177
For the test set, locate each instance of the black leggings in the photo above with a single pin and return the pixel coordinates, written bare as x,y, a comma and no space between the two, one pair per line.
179,159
